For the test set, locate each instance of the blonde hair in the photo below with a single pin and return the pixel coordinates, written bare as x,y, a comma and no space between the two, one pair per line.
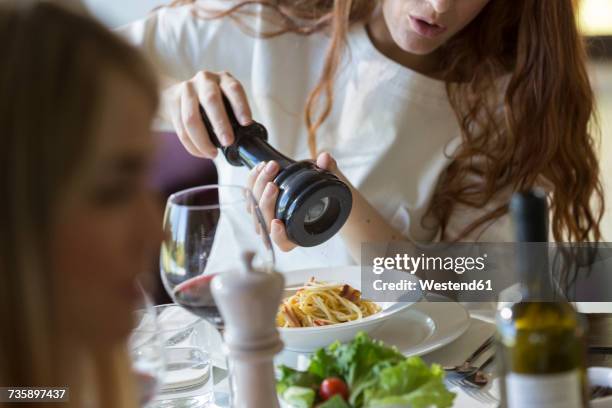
53,69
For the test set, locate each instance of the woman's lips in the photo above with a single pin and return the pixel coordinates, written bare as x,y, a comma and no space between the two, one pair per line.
426,29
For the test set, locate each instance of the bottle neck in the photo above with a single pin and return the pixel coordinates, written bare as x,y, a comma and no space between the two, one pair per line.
530,214
534,272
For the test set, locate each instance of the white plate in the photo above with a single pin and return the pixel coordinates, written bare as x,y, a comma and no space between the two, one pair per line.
307,339
425,327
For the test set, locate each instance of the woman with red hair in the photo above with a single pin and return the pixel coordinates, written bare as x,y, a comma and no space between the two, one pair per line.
435,111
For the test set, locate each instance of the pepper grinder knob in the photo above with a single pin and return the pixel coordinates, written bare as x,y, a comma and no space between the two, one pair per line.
248,301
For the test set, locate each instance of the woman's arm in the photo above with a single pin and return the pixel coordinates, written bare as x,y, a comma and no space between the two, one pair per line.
365,224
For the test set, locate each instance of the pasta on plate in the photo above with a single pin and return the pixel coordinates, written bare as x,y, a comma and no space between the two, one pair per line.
320,303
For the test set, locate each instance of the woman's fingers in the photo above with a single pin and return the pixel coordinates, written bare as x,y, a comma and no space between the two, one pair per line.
177,123
327,162
267,203
258,178
209,93
237,97
192,122
251,178
267,174
279,236
206,89
254,174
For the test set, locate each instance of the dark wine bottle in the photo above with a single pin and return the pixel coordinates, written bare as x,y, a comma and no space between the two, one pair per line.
541,337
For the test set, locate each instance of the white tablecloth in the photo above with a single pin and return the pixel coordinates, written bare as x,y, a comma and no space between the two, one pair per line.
480,329
481,326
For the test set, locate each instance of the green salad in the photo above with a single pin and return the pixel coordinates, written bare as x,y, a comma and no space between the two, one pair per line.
364,373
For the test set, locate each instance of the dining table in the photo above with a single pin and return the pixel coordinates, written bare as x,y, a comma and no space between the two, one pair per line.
481,327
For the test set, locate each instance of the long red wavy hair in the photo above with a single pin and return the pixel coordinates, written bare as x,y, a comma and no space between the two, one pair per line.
546,130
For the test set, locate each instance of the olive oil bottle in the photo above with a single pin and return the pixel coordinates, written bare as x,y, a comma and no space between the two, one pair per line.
541,338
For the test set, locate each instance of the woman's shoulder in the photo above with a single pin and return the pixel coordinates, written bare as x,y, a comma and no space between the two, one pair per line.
183,39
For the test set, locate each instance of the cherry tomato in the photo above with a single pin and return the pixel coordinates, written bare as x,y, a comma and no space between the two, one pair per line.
332,386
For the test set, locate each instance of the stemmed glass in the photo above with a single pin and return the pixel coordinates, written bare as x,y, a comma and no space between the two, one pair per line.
208,230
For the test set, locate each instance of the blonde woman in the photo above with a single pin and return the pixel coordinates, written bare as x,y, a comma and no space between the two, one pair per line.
78,224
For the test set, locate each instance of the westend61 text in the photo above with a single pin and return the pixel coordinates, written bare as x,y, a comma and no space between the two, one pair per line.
432,285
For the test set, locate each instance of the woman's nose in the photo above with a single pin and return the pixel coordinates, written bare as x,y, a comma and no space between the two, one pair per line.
441,6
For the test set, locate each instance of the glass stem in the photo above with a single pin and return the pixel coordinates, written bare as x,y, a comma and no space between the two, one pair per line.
230,381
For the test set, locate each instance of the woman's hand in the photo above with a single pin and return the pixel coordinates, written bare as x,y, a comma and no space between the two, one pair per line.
182,104
260,181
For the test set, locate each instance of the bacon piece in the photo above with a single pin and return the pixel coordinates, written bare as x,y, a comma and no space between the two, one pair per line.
318,322
290,316
349,293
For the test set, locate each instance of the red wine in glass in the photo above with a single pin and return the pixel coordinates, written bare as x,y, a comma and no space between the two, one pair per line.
196,296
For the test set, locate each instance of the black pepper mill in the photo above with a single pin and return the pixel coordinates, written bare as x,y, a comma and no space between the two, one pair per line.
313,203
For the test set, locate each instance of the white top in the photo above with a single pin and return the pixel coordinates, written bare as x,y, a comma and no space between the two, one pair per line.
391,129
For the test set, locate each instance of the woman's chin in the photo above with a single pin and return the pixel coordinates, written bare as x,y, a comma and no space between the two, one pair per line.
418,46
409,41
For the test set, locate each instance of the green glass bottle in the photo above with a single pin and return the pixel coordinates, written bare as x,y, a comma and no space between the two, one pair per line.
541,338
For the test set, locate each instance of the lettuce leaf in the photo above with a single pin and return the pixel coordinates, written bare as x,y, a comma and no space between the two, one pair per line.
323,363
299,397
290,377
334,402
357,362
412,383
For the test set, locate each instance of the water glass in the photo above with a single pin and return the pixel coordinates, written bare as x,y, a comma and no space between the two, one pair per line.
181,339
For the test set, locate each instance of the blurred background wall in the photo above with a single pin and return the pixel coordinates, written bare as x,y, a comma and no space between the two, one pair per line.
596,21
601,74
115,13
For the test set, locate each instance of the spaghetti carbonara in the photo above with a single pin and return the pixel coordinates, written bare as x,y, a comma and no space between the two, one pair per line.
322,303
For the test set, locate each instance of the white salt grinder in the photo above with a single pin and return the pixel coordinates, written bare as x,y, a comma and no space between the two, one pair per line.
248,301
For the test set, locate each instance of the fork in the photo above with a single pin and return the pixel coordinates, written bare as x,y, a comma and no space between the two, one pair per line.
483,396
478,378
466,367
473,384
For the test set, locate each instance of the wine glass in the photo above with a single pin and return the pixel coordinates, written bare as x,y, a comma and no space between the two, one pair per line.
208,230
